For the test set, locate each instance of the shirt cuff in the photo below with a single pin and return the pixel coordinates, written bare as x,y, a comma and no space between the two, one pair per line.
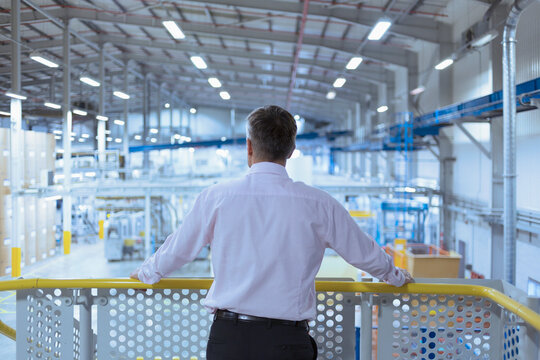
148,277
395,277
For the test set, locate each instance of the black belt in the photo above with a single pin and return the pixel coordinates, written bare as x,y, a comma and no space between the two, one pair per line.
229,315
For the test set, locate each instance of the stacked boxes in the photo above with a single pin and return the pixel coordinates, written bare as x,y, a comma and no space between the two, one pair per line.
36,215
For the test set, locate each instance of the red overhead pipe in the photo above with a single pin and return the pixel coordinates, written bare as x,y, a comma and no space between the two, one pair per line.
297,54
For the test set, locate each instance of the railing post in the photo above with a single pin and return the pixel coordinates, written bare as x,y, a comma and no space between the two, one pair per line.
366,327
84,301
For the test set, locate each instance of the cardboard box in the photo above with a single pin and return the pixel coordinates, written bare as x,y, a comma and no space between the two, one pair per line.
30,230
41,231
427,261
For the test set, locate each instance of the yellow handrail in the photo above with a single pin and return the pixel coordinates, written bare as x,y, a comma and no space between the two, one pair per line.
506,302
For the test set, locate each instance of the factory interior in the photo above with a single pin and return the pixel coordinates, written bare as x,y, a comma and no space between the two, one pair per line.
419,116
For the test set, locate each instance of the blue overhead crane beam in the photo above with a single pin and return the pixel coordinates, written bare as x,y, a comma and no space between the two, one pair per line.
236,141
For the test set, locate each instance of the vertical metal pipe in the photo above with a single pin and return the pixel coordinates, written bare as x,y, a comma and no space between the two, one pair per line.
358,156
85,325
158,113
67,127
15,138
146,156
125,140
509,138
101,124
366,327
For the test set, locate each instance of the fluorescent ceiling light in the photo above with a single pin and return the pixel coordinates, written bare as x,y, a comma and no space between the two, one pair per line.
85,136
187,139
177,136
296,117
154,131
57,132
109,138
198,62
223,138
379,29
121,95
102,118
73,133
81,140
339,82
42,60
382,108
354,63
89,81
444,64
484,39
117,140
119,122
72,139
107,132
167,105
214,82
225,95
57,137
174,29
4,113
153,140
193,110
80,112
138,137
418,90
331,95
52,105
15,96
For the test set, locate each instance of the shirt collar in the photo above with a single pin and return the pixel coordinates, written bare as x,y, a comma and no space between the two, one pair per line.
268,168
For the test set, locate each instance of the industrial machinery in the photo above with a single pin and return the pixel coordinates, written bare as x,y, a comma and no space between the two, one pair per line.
403,219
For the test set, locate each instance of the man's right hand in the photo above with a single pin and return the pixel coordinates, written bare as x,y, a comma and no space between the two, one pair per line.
408,277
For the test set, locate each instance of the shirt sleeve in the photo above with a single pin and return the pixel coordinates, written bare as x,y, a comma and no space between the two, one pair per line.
182,246
359,249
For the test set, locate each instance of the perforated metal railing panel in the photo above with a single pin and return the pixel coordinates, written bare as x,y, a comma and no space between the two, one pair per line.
171,323
442,327
46,328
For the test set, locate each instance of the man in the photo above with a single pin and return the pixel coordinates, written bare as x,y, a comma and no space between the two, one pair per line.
268,235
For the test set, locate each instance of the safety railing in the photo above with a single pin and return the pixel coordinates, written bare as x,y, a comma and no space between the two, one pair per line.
126,319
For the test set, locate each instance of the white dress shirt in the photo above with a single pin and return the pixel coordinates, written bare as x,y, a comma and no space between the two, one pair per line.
267,235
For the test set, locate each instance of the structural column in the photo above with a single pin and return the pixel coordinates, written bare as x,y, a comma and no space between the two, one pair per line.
358,156
446,178
125,140
100,123
146,156
16,138
233,122
67,127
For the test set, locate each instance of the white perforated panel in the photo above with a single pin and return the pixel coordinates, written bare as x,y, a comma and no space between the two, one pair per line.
45,325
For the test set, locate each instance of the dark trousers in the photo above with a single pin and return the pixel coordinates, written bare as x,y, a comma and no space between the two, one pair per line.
241,340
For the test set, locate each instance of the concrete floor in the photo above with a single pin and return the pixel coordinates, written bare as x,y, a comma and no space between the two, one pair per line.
85,261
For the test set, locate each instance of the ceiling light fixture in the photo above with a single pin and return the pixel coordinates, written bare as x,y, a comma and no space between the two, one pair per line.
214,82
118,140
354,63
193,110
296,117
89,81
137,137
484,39
119,122
85,136
173,29
15,95
198,62
80,112
382,108
154,131
102,118
109,138
444,64
57,132
167,105
225,95
153,140
4,113
52,105
417,91
340,81
121,95
36,56
331,95
379,29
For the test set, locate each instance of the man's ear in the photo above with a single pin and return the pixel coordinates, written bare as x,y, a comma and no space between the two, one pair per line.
249,147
